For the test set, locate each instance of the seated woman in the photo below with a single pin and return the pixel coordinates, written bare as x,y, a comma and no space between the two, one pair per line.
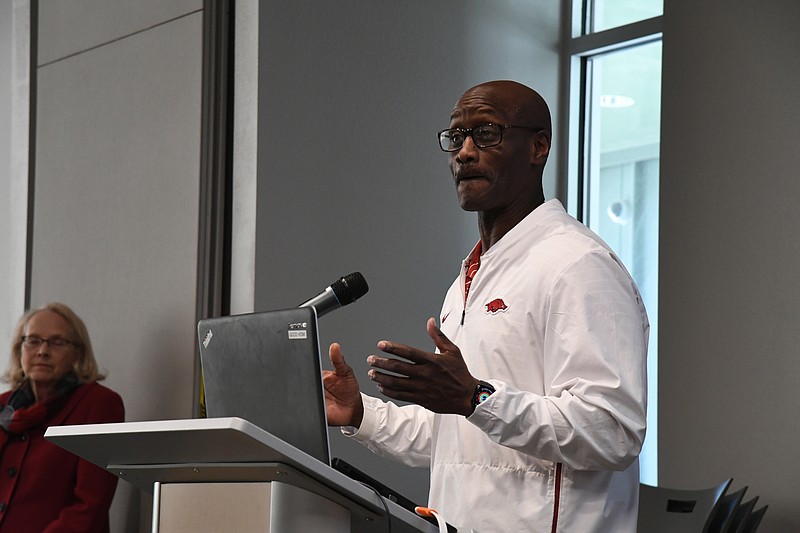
53,376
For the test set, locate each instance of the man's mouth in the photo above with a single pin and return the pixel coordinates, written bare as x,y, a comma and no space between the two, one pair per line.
470,177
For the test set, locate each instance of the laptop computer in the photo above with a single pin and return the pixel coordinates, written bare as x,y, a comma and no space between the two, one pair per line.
266,368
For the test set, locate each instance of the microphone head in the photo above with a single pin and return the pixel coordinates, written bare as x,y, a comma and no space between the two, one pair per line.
350,288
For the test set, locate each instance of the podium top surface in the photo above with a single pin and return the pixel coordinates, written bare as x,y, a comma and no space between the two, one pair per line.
202,440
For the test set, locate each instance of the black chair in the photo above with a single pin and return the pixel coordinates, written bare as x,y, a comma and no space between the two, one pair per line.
722,520
665,510
753,520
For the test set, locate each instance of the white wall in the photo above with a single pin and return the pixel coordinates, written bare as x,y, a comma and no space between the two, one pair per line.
245,160
730,255
351,177
14,107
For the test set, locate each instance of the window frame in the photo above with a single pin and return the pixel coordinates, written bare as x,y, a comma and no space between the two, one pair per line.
579,47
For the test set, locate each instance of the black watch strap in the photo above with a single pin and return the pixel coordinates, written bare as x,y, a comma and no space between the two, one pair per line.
482,392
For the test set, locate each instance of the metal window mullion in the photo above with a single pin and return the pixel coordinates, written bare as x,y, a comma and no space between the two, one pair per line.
634,34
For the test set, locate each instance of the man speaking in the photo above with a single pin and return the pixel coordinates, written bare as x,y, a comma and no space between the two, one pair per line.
531,411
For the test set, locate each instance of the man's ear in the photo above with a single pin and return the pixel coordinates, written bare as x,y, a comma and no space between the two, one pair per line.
540,147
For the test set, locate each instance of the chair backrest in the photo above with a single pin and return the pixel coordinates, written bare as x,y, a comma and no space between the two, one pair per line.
665,510
754,519
741,515
722,519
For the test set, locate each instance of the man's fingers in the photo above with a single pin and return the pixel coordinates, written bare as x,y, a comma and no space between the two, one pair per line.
335,353
392,365
337,359
440,340
388,383
401,350
416,355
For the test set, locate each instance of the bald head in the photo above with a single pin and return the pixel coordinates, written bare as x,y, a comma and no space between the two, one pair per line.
522,104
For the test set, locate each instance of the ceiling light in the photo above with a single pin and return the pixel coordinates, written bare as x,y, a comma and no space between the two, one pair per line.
616,101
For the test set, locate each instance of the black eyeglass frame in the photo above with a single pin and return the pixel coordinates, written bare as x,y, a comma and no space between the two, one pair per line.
49,342
471,133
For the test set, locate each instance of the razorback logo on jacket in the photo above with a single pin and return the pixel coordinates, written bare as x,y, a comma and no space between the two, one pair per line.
496,306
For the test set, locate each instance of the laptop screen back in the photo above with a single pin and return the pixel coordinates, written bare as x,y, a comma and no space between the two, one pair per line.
266,368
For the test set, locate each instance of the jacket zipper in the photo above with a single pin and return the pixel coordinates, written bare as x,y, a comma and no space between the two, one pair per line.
557,498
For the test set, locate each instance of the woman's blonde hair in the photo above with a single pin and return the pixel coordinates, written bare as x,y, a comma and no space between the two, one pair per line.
85,367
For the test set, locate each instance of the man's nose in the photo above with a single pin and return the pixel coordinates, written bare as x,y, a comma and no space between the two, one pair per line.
468,151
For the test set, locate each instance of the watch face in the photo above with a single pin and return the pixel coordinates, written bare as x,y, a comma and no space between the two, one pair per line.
483,394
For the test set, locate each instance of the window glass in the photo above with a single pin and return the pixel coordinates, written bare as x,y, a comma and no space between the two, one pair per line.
622,183
605,14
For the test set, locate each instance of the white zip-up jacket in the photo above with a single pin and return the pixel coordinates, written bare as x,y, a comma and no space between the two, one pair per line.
556,324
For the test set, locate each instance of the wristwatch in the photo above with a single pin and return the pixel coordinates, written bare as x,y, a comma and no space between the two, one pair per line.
482,392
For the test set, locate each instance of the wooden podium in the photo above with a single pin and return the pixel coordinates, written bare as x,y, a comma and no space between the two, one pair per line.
213,474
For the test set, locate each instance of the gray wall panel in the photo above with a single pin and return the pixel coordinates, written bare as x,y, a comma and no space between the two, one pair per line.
72,26
728,340
115,231
115,228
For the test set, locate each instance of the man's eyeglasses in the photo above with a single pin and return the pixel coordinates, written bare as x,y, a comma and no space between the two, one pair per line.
484,136
56,343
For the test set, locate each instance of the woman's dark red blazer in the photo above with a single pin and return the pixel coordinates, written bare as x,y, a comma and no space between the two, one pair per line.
46,488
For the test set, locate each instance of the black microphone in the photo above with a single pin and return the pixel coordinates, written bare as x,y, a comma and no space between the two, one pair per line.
341,292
